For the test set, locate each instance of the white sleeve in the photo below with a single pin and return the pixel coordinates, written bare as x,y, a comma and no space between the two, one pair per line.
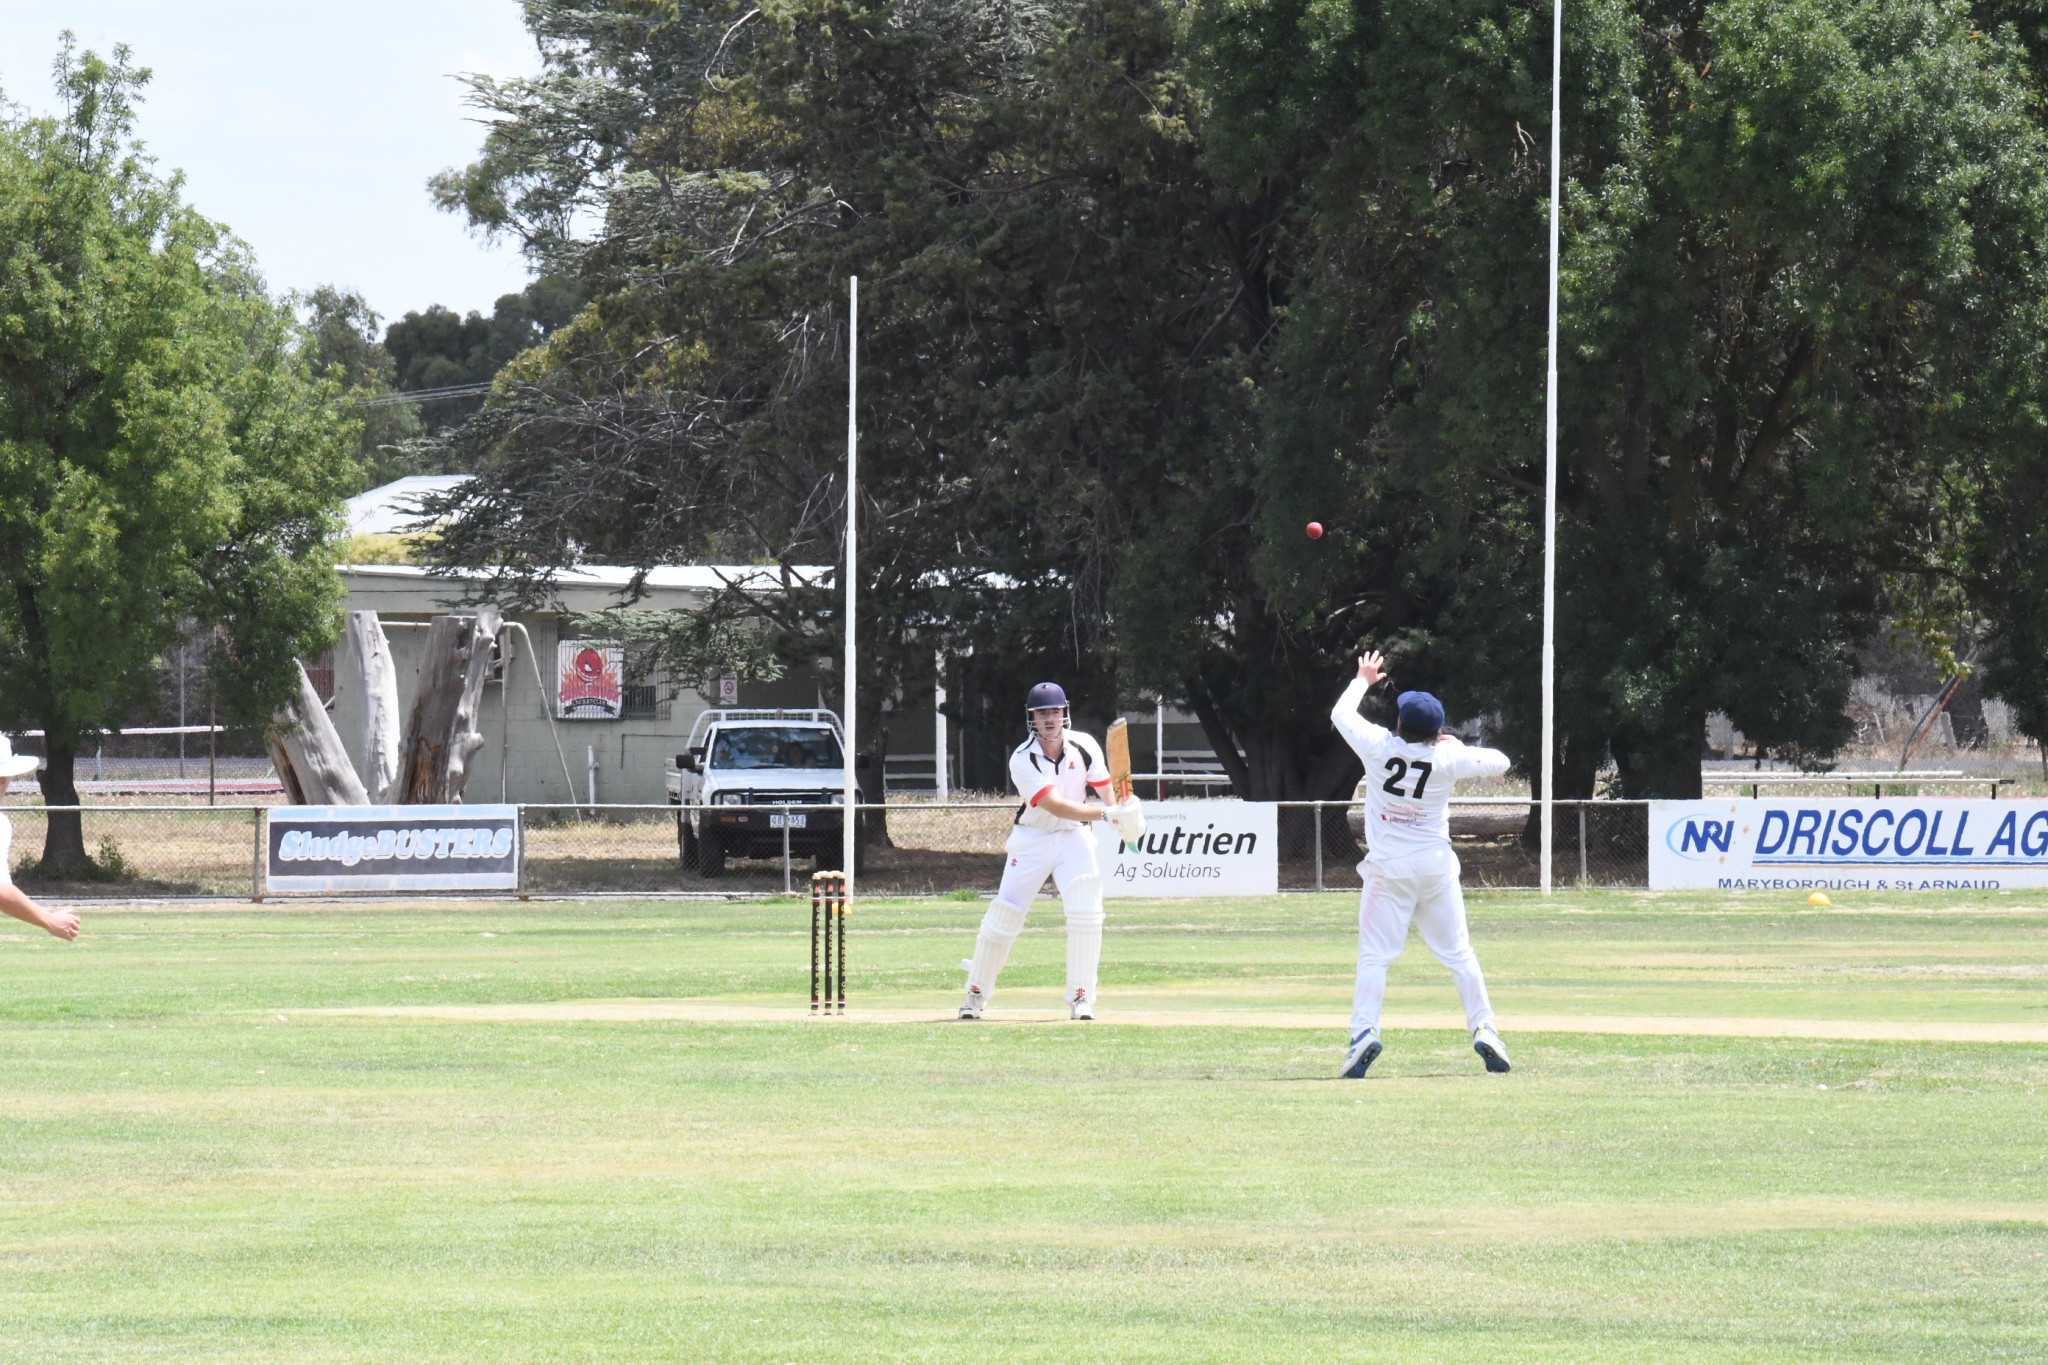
1360,733
6,852
1098,767
1467,761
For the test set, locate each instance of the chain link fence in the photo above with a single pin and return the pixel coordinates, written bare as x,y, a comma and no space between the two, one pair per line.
143,850
908,848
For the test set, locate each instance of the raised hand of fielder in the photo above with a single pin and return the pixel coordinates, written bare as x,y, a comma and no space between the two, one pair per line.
1371,667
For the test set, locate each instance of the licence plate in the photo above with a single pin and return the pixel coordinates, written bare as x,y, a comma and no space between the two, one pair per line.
799,821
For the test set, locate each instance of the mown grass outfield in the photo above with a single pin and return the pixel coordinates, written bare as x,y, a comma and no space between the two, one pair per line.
599,1132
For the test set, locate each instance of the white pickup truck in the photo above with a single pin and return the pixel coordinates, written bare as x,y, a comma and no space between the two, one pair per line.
741,766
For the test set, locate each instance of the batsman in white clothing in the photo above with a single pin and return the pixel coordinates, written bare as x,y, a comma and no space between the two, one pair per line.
1410,871
1054,772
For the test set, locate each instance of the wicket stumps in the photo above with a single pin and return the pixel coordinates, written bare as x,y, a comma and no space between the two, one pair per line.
828,917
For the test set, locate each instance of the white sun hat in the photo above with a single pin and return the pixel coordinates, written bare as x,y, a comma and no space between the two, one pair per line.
16,765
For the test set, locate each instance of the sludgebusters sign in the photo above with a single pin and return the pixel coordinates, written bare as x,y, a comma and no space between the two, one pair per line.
1897,844
1194,848
393,848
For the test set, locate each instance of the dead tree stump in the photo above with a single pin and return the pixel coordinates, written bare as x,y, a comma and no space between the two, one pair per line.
372,673
441,736
314,762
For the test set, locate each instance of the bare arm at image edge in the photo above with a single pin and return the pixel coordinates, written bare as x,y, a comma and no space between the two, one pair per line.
16,902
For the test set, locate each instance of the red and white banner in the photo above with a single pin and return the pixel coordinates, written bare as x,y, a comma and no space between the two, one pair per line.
588,674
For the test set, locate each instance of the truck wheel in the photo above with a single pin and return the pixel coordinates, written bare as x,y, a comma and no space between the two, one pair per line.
686,841
711,853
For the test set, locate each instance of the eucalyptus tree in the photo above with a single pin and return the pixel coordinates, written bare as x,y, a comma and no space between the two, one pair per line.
165,454
1055,307
1802,329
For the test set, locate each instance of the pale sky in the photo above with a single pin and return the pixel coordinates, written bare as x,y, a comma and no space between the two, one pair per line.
309,129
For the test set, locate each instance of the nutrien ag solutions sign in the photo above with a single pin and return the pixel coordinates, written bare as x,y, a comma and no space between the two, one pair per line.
1855,843
1194,848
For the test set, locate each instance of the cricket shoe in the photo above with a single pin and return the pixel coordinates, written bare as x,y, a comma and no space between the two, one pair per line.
1080,1006
1491,1050
1364,1048
974,1004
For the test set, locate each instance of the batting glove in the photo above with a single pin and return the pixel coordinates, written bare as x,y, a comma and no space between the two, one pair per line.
1129,820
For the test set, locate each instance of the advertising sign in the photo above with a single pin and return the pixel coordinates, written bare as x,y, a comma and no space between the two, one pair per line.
587,680
393,848
1195,848
1854,843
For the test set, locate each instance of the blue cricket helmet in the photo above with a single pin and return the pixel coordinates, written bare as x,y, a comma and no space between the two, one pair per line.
1421,714
1045,696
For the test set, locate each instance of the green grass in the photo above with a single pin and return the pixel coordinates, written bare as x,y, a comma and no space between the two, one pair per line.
187,1176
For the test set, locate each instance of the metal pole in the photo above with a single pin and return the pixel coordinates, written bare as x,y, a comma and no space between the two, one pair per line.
787,889
1547,759
941,760
1582,843
504,715
1319,845
256,854
1159,749
547,711
848,833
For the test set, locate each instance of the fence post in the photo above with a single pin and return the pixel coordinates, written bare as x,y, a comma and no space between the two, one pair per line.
256,814
1582,844
1318,808
787,889
519,850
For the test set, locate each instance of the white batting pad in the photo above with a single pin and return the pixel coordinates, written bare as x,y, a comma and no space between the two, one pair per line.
999,929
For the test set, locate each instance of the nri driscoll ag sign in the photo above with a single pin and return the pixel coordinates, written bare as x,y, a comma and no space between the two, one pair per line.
393,848
1895,844
1194,848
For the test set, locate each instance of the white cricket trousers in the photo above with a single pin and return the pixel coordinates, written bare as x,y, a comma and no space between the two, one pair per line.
1032,855
1423,888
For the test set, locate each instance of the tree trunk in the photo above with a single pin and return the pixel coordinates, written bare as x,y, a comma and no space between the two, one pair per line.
281,764
441,737
1966,715
63,832
1663,767
372,673
1578,770
877,829
313,748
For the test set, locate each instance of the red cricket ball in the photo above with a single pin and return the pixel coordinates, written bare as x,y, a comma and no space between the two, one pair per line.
1315,530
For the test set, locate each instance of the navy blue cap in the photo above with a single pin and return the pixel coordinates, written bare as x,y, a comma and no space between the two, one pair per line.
1421,714
1045,696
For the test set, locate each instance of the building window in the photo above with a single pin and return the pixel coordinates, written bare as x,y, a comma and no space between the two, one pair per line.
645,694
320,672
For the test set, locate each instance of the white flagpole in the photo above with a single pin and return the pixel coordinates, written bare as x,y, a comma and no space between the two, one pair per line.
1548,760
848,811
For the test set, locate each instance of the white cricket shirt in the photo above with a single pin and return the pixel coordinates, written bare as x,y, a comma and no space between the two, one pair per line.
1080,767
6,852
1407,786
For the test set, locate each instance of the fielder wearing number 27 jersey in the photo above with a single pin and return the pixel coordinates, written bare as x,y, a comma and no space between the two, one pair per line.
1410,872
1408,786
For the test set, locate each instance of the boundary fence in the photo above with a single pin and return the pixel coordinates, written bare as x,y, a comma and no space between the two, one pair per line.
909,848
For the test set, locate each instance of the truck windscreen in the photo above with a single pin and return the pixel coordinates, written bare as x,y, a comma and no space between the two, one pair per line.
776,747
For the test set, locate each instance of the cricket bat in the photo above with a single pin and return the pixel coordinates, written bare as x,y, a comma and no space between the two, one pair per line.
1120,758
